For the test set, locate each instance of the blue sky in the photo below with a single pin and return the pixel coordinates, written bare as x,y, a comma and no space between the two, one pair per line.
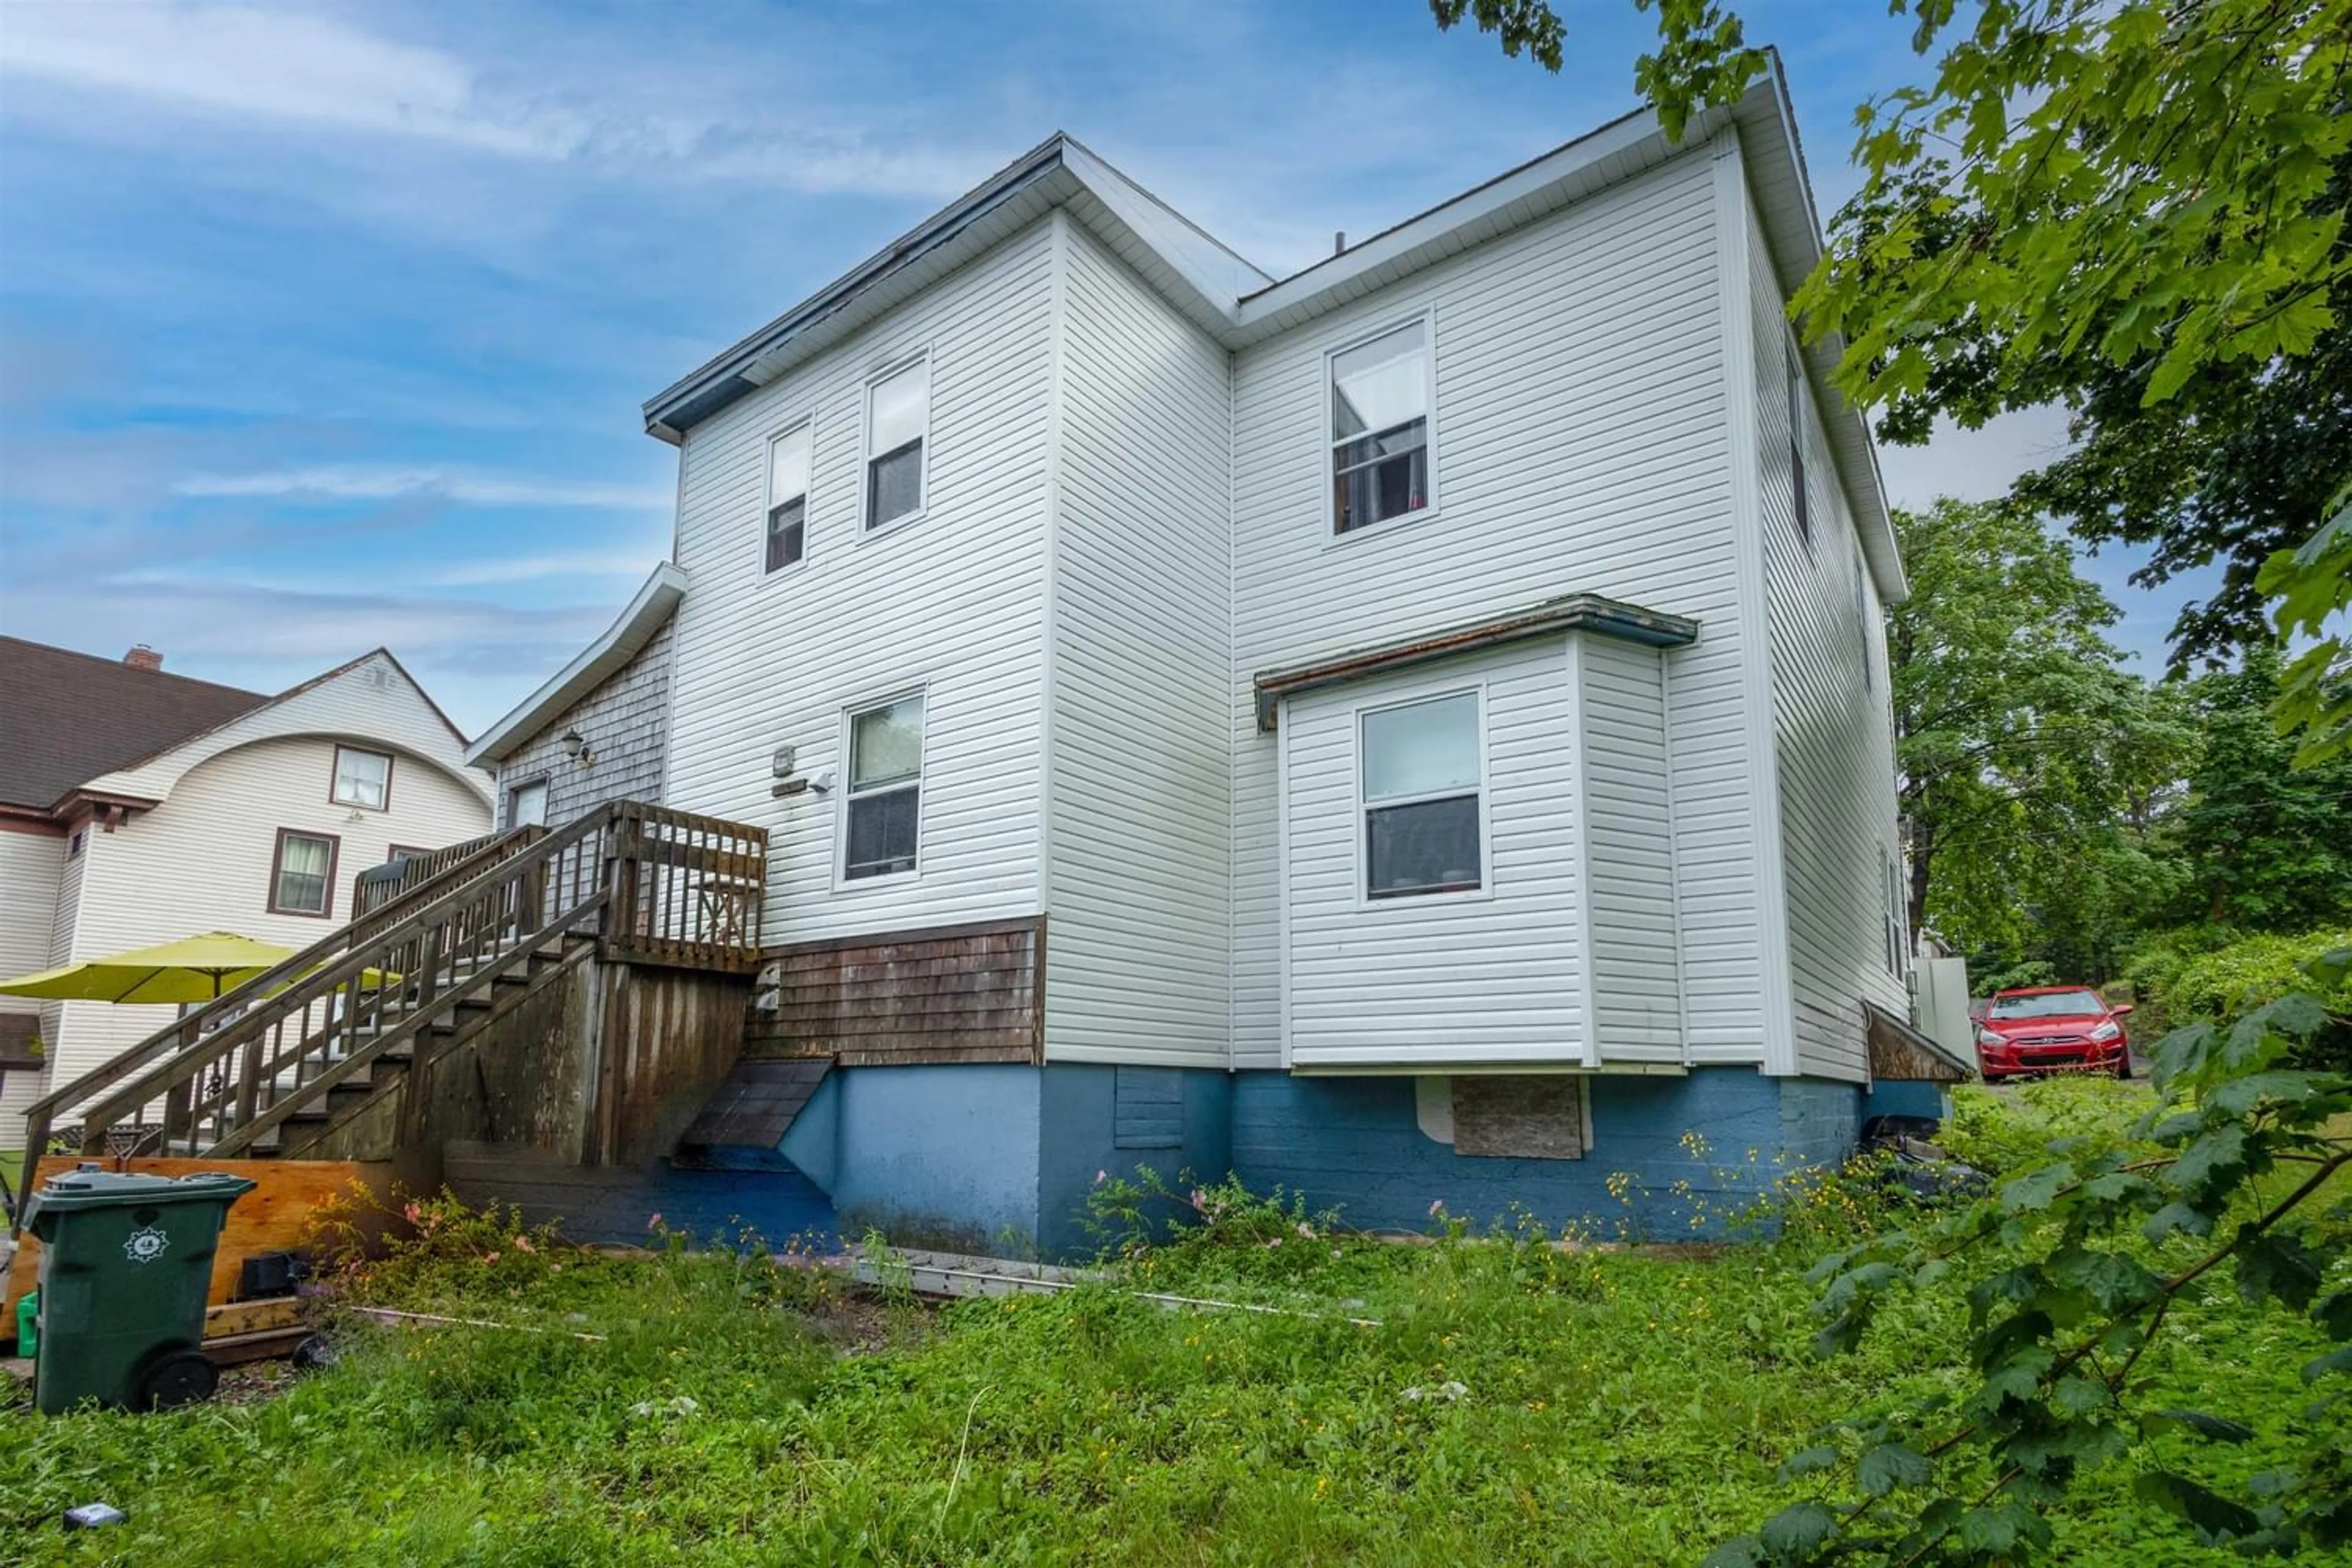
325,326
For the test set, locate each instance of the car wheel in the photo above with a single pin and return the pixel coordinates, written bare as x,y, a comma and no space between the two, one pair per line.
2123,1066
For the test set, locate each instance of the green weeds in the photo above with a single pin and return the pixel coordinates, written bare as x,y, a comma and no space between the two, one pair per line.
1490,1398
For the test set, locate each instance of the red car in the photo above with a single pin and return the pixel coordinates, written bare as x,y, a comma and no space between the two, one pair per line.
2050,1028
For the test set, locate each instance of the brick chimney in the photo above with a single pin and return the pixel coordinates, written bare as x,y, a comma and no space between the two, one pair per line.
142,657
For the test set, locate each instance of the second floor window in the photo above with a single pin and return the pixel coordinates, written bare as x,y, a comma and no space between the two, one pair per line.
1801,498
361,778
788,486
886,789
302,873
1422,780
1379,428
897,417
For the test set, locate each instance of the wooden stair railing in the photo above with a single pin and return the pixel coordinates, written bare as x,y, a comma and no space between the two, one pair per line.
426,970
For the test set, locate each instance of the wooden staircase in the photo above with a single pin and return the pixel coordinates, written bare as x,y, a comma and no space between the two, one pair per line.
444,948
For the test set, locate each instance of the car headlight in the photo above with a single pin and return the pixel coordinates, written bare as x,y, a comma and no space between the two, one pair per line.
1987,1037
2110,1030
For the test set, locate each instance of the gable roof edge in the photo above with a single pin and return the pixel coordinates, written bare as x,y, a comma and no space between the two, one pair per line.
654,602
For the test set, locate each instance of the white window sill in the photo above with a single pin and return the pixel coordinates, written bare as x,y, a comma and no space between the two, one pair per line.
1387,525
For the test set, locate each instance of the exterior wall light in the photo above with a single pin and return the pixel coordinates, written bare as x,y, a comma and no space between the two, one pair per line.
576,748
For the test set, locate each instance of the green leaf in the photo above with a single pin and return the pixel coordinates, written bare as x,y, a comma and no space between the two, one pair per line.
1891,1464
2035,1190
2113,1281
1799,1530
2175,1216
2333,1313
2215,1156
2205,1426
1739,1552
2337,1360
2274,1265
1805,1461
2214,1517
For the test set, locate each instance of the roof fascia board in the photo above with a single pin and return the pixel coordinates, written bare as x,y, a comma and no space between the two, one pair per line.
654,602
1783,195
1573,613
668,412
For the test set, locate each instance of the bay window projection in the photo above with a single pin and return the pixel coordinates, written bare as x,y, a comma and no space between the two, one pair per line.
1422,782
897,417
886,789
788,485
1379,428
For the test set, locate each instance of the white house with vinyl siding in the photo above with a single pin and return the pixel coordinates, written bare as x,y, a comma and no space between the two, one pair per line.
1414,723
138,807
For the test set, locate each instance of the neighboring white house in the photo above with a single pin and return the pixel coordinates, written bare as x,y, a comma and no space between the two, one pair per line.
1434,704
137,807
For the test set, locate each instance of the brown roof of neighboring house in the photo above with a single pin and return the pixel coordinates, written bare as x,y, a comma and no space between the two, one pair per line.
67,717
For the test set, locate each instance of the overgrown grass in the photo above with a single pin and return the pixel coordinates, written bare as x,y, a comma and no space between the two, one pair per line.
1511,1401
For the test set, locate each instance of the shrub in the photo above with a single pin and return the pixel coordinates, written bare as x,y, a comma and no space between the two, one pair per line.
2003,1134
2231,981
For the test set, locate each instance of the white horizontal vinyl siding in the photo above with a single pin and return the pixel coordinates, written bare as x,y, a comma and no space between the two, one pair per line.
1439,980
1831,742
1138,865
30,867
953,601
1582,445
372,703
201,862
1629,851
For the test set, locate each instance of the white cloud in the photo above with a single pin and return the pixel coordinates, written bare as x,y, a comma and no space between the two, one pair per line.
630,564
277,69
279,65
371,483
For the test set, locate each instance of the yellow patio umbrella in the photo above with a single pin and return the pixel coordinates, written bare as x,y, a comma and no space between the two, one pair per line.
192,969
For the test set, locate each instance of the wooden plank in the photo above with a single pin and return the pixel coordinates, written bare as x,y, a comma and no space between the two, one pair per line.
253,1317
274,1217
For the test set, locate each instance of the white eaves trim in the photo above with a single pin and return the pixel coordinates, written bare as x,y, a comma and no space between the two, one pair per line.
614,647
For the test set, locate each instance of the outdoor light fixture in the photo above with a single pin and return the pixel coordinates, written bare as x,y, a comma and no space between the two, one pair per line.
577,749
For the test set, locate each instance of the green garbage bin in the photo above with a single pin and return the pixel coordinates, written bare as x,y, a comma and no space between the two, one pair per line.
126,1262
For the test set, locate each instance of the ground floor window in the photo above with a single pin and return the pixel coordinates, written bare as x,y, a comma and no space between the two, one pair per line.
1423,779
886,789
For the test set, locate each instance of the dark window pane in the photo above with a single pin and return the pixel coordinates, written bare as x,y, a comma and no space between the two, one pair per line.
894,485
1429,847
1380,476
784,527
882,833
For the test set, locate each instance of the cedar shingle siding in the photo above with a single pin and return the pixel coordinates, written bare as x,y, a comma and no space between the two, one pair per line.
625,723
962,994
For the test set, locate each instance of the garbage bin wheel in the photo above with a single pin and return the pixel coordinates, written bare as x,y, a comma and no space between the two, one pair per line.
183,1377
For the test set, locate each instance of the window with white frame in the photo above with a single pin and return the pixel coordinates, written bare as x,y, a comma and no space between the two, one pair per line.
361,778
1797,432
1420,785
897,418
1861,623
788,487
1379,428
886,789
527,806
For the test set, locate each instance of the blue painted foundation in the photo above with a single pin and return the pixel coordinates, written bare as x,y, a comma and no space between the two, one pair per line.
1918,1097
1665,1152
1000,1159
